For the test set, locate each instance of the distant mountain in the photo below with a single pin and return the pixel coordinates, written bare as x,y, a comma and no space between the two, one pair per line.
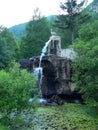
18,30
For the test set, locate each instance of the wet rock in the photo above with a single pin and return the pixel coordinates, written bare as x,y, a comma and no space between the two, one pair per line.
26,64
55,100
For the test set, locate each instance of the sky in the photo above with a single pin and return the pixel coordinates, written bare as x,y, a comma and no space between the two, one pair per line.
13,12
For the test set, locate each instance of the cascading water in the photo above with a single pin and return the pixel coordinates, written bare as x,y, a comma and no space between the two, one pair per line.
44,50
39,70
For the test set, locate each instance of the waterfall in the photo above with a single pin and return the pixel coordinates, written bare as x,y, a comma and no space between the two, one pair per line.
44,50
39,73
39,70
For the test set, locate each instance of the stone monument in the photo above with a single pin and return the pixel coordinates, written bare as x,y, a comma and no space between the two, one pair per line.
56,79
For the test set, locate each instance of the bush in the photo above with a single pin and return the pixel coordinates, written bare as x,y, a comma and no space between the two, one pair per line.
3,127
16,87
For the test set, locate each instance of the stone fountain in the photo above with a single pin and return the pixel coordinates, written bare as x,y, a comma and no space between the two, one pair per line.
56,79
53,69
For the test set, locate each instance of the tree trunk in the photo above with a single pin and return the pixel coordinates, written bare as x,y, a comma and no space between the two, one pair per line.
72,36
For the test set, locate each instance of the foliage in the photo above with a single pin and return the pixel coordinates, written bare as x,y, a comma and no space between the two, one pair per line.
66,117
89,31
3,127
7,47
86,62
19,30
72,17
65,37
16,87
37,34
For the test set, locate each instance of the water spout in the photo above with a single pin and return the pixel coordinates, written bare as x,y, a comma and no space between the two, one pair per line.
40,80
44,50
39,70
39,73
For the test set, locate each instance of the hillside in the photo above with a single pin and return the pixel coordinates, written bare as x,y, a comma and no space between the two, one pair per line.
18,30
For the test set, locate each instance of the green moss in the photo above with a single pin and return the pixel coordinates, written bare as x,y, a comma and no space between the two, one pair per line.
66,117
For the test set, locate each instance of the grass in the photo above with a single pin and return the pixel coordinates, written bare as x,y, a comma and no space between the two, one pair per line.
66,117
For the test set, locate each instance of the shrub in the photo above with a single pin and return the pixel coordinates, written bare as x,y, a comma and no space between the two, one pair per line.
16,87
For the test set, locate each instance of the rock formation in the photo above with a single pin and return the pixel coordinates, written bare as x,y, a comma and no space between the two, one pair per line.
56,70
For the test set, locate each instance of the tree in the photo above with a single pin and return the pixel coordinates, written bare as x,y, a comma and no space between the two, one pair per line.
72,16
38,33
86,62
7,47
93,8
